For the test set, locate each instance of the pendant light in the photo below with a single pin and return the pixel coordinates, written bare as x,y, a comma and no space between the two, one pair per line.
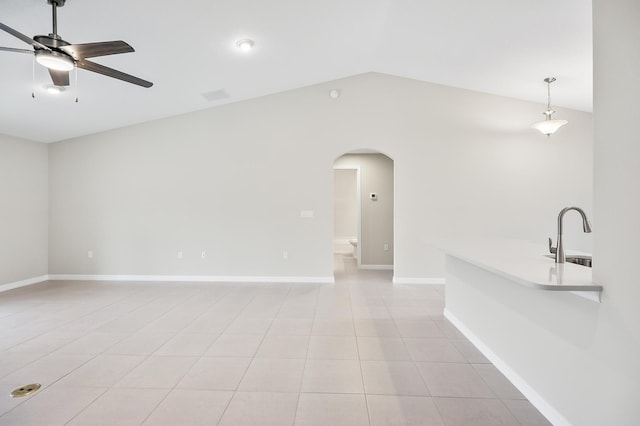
549,126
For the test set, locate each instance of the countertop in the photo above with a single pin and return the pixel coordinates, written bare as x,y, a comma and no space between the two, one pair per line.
523,262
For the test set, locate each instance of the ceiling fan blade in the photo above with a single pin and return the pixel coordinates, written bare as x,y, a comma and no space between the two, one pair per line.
11,49
110,72
60,78
22,37
91,50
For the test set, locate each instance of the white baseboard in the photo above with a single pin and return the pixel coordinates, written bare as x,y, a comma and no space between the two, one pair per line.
378,267
428,281
534,397
194,278
23,283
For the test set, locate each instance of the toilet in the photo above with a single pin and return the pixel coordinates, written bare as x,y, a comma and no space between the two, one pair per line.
354,243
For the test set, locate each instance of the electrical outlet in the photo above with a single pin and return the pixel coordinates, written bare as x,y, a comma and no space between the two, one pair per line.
386,247
285,255
90,254
203,255
179,255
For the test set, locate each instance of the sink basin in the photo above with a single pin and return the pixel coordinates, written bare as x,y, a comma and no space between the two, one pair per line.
578,260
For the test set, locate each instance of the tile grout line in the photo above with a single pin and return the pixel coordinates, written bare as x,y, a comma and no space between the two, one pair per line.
404,343
70,372
306,355
169,390
235,391
144,357
364,390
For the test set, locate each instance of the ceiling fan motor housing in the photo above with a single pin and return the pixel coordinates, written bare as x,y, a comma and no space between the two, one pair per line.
52,40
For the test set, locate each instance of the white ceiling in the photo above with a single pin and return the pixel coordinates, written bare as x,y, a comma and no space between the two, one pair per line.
187,48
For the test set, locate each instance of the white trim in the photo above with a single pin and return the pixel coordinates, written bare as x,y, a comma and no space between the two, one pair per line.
534,397
378,267
428,281
194,278
23,283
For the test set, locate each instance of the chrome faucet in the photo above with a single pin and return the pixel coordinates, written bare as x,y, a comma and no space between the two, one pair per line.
559,249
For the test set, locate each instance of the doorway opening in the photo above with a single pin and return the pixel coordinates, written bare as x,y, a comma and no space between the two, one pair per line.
363,205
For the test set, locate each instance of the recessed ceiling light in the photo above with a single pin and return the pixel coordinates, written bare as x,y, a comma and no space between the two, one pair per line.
52,88
246,44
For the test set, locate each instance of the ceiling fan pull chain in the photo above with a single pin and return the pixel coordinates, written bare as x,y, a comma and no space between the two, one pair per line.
33,77
76,71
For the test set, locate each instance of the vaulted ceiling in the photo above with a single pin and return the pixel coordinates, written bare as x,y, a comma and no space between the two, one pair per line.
188,48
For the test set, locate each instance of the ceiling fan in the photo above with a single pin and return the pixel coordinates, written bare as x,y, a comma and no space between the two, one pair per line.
60,57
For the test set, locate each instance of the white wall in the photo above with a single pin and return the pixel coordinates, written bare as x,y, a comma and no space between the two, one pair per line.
376,176
232,180
23,216
345,204
616,343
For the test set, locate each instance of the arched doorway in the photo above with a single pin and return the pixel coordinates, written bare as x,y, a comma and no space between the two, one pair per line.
363,205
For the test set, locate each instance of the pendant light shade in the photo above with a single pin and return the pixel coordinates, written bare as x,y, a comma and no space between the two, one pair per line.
549,126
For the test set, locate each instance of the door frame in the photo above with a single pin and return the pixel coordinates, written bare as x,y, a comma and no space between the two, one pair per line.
358,210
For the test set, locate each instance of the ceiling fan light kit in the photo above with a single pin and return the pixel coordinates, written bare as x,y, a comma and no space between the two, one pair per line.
60,57
54,60
55,90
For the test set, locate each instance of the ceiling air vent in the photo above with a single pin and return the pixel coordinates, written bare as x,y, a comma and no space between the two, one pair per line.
215,95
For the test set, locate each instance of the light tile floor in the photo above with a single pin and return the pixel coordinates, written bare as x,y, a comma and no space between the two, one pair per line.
360,352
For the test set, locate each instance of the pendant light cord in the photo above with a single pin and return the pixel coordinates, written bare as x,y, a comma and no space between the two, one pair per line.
549,112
